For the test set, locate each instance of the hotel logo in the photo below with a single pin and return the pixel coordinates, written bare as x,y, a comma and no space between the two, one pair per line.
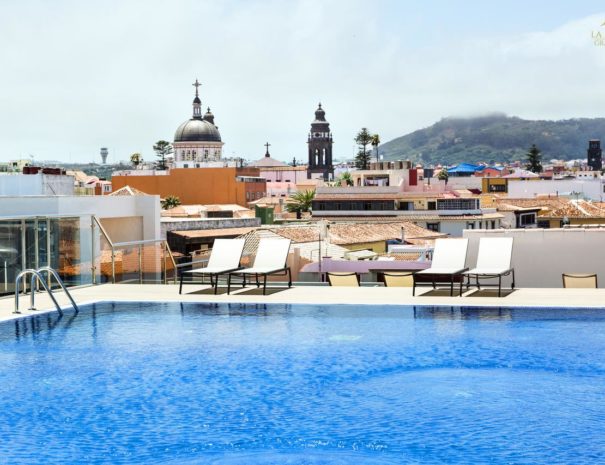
598,36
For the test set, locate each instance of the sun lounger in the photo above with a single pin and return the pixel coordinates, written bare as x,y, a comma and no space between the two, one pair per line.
224,258
580,280
448,265
345,279
398,278
270,259
493,261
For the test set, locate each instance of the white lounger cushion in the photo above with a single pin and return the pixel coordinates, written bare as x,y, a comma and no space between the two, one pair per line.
495,255
270,256
225,256
449,256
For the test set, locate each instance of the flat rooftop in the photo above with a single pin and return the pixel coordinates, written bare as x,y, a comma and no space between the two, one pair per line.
318,295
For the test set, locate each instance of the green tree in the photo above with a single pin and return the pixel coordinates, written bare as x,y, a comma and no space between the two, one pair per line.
162,149
346,178
363,139
170,202
534,159
300,202
375,141
443,175
136,159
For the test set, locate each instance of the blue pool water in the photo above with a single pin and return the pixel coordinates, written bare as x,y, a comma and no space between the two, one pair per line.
232,384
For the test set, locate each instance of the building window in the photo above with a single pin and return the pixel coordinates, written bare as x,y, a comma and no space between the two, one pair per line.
433,227
527,219
497,188
493,224
247,195
544,224
470,225
432,205
458,204
186,165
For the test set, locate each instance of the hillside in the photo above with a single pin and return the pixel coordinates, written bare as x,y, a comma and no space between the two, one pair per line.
494,138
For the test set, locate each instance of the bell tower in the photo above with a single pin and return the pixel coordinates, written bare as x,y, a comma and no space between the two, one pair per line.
320,147
595,155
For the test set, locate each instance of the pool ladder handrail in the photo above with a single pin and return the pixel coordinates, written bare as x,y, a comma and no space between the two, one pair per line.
37,274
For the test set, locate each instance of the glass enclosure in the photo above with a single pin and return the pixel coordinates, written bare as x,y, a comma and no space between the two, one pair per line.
33,242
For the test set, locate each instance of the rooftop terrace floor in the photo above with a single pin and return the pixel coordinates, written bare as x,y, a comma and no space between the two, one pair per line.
310,295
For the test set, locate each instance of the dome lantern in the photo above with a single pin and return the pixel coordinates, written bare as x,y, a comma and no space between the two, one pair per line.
197,103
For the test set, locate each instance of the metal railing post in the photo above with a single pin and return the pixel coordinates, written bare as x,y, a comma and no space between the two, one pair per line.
140,264
164,253
106,236
92,252
23,255
113,265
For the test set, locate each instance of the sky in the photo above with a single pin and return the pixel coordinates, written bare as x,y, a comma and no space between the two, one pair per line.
79,75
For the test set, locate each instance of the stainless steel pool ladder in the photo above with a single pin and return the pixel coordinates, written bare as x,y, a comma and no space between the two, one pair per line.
37,275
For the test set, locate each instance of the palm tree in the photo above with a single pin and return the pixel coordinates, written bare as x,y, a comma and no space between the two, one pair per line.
375,140
136,159
170,202
162,149
346,178
300,202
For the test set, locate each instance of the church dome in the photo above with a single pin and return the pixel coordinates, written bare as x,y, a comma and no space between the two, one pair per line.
197,130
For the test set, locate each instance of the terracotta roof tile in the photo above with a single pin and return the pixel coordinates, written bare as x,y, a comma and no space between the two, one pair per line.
355,233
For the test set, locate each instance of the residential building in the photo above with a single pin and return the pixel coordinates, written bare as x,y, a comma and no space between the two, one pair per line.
394,173
14,166
448,213
554,212
200,185
281,178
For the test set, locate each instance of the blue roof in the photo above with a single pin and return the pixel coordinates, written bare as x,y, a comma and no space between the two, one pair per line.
465,168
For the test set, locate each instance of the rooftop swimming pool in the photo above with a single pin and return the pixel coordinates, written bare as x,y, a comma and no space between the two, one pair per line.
141,383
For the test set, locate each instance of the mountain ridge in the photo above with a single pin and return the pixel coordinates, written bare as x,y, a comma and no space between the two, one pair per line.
494,138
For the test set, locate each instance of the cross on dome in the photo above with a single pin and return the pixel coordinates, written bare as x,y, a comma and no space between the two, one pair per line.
267,152
196,84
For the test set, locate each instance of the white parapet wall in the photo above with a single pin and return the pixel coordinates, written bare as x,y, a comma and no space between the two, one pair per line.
36,184
127,218
541,256
582,188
